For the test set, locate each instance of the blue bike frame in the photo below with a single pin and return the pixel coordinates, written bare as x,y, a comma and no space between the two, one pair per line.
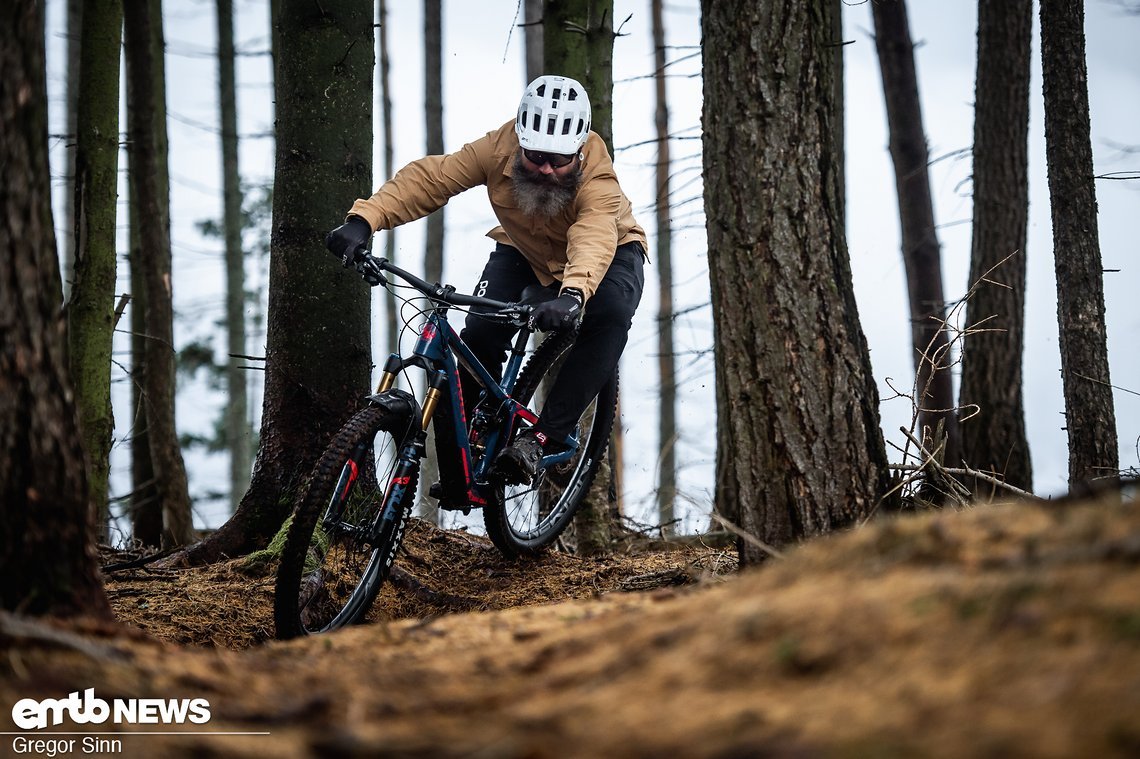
439,351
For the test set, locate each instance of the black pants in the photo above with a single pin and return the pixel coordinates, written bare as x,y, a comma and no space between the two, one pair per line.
601,337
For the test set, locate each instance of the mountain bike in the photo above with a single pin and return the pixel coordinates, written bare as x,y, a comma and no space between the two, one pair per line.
350,518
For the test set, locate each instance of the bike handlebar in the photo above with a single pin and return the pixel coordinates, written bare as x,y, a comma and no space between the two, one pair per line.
372,267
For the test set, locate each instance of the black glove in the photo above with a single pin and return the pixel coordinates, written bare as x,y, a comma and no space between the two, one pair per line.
560,313
348,238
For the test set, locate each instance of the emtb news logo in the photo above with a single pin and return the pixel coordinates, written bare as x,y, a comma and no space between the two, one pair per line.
30,714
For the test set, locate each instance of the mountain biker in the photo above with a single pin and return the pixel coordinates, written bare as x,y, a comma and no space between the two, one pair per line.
564,224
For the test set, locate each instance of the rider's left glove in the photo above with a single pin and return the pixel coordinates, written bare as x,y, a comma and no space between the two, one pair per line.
560,313
348,238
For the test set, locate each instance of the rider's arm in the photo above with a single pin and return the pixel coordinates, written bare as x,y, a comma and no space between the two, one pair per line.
592,239
425,185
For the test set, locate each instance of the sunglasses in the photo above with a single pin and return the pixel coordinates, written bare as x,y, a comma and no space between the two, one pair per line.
556,160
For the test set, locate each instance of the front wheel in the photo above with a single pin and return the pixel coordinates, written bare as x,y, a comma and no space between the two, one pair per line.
341,542
523,520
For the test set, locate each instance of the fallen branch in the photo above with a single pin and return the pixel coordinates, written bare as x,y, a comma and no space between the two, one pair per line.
746,536
408,582
966,471
14,627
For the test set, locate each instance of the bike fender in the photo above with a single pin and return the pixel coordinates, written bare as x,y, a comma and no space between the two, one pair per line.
397,402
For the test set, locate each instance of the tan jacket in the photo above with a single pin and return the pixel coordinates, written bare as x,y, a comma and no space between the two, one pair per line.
575,247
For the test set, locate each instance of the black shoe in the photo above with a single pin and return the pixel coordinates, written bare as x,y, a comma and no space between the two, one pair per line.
518,463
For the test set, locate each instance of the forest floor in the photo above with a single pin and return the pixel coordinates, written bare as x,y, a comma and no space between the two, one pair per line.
1001,630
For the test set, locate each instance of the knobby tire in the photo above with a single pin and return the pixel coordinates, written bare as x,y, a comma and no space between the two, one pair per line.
327,577
561,489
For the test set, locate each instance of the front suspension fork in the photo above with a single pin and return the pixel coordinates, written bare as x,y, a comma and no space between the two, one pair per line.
404,479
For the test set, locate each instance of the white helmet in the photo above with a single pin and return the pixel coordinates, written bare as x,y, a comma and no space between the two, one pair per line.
554,115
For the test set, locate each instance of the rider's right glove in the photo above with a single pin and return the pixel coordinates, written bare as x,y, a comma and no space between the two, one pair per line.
348,238
560,313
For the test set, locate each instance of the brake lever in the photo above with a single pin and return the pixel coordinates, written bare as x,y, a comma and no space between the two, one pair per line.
519,317
370,270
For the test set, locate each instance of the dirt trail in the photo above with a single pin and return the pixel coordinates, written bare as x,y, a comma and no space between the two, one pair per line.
1004,630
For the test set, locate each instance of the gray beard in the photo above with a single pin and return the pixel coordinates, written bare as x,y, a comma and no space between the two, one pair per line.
542,195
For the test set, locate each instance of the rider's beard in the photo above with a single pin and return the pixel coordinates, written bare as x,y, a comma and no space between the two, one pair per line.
541,194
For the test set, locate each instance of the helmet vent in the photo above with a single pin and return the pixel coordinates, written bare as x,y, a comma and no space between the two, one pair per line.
553,116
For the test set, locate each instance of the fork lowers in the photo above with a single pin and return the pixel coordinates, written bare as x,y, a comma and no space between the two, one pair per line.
435,389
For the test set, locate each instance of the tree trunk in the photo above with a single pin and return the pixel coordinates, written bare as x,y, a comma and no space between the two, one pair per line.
1090,418
532,47
994,437
392,321
433,111
90,312
799,449
428,508
74,31
238,432
47,560
578,40
934,391
144,507
667,416
148,145
318,351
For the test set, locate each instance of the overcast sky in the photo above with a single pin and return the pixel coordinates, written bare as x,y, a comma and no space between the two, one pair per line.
483,79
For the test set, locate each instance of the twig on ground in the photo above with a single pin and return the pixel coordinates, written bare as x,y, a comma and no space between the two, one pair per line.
746,536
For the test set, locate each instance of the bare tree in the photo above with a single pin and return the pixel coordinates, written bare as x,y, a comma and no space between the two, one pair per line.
799,449
392,320
47,559
934,392
148,147
994,438
1090,417
91,309
237,428
318,351
428,508
74,31
144,506
667,416
433,116
578,41
532,22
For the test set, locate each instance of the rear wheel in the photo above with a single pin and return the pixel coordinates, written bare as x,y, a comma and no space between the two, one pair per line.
523,520
340,546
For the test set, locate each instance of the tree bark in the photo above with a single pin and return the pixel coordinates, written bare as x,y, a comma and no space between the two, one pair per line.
532,47
74,32
318,352
428,508
666,368
1090,417
433,116
144,507
934,391
238,432
578,41
90,312
392,321
47,559
148,145
799,449
994,437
